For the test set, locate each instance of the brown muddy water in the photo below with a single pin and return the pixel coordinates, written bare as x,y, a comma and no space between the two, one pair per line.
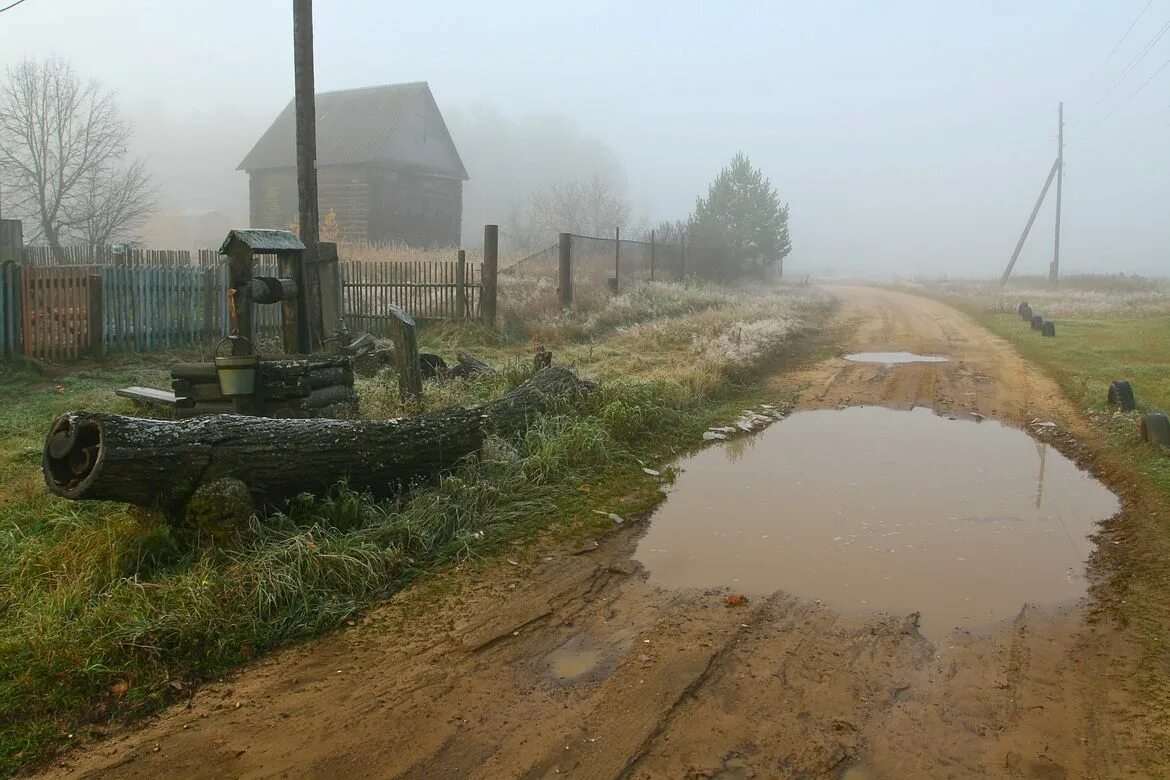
890,358
871,509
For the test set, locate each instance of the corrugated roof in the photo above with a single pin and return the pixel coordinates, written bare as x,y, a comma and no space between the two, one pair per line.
261,240
353,126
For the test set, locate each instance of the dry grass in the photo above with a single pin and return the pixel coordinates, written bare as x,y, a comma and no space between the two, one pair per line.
1078,297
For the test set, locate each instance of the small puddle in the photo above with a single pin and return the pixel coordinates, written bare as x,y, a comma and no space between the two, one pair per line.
889,358
574,659
868,508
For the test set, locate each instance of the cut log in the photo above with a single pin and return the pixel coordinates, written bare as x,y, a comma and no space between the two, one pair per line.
161,463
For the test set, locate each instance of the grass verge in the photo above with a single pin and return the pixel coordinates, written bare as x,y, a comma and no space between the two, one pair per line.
108,612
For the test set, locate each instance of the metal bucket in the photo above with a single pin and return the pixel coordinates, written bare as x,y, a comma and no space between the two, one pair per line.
237,375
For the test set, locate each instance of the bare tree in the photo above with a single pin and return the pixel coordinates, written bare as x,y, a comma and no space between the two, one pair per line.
62,154
590,207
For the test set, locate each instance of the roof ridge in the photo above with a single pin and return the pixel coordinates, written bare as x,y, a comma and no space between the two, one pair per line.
376,86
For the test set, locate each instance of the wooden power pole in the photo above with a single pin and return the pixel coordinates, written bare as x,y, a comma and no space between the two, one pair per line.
306,114
1054,271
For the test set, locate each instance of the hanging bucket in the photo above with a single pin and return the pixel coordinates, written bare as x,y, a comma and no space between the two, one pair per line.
236,373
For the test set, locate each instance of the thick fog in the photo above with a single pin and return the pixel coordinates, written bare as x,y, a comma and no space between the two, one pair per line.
908,138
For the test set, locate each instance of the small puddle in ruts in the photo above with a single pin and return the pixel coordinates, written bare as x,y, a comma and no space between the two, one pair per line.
869,508
889,358
574,659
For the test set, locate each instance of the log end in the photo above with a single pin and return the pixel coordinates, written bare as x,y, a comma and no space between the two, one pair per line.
72,454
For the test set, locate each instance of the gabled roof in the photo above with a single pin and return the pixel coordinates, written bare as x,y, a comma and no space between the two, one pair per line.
263,241
356,126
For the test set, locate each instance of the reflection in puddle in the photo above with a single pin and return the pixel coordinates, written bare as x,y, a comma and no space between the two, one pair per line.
890,358
873,509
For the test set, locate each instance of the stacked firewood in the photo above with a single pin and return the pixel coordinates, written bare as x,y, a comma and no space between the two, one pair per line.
292,387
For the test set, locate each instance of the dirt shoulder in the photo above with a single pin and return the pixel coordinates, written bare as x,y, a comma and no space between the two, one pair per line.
570,663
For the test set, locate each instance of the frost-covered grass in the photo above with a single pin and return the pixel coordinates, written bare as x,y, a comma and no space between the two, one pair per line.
108,611
1077,297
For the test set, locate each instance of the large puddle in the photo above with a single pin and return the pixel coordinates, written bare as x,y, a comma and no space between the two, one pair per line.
873,509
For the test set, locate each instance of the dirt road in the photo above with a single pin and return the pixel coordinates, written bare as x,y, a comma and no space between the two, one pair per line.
575,665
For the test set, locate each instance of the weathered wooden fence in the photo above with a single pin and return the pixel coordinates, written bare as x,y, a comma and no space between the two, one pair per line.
62,313
58,310
428,289
104,256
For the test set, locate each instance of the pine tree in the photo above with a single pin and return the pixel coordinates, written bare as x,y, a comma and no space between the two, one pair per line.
741,223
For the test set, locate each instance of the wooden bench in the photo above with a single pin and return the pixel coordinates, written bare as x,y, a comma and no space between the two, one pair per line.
147,395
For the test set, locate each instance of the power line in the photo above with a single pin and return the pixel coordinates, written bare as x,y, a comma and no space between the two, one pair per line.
10,7
1122,39
1141,55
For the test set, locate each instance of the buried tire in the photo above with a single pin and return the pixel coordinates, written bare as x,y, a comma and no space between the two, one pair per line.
1121,394
1037,322
1048,329
1155,428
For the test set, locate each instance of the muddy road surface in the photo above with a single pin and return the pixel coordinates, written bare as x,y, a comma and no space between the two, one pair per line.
580,664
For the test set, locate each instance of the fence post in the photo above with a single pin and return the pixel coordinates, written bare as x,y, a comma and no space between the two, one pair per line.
402,331
651,255
491,260
565,270
461,286
96,319
683,252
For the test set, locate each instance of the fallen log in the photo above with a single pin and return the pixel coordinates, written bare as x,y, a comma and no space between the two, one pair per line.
162,463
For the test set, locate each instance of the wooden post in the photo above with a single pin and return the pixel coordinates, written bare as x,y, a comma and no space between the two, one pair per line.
290,309
240,280
461,285
683,253
306,122
402,331
651,255
328,283
565,270
491,260
96,336
617,260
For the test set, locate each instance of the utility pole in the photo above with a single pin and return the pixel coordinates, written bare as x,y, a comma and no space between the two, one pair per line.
306,114
1054,271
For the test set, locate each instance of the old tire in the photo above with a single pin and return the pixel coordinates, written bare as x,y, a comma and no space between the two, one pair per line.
1037,322
1121,394
1048,329
1156,428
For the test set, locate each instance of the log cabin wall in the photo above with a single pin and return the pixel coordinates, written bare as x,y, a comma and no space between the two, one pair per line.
375,203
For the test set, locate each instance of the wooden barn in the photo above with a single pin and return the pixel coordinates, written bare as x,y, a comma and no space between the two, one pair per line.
386,166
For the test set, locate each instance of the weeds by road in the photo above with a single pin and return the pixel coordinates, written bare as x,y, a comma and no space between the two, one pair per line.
108,611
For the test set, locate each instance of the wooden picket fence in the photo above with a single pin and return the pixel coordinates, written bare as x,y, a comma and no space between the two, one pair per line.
145,309
63,313
427,289
59,307
105,256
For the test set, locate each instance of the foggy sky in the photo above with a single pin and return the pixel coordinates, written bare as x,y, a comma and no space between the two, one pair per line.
908,137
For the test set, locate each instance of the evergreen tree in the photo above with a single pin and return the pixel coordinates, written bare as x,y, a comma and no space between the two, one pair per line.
741,224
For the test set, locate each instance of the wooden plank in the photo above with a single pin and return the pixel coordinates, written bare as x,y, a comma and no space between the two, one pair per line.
147,395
